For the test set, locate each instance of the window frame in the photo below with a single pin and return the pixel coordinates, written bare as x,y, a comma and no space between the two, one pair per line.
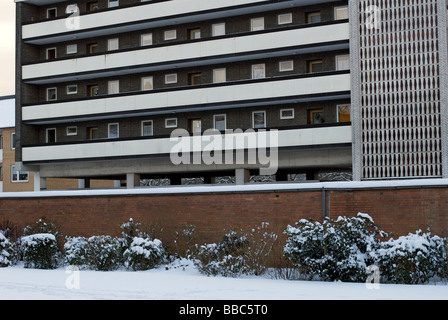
282,117
72,92
171,125
337,112
335,10
166,32
111,85
113,44
55,94
219,70
143,80
51,49
47,130
280,69
225,121
216,27
168,75
253,22
337,61
253,70
109,125
75,45
13,169
72,133
281,15
149,34
142,128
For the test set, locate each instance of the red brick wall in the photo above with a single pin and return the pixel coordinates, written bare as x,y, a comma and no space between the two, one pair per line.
394,210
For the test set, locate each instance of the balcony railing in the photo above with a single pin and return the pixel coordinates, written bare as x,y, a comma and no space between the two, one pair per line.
243,93
153,146
269,43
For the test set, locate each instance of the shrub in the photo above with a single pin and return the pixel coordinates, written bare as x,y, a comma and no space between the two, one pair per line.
335,249
6,252
103,252
412,259
40,251
130,230
75,251
224,258
144,254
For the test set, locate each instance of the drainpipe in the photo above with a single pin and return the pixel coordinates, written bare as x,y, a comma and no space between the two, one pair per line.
324,205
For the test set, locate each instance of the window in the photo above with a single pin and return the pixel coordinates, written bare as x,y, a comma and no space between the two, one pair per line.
257,24
50,135
343,113
284,18
1,171
92,6
219,75
219,122
72,48
171,123
343,62
313,17
286,66
113,131
314,66
218,29
146,39
194,78
147,128
171,78
52,13
287,114
52,94
113,3
315,116
259,119
72,131
170,35
72,89
93,90
51,53
258,71
13,140
113,87
113,44
194,33
147,83
18,176
341,13
92,47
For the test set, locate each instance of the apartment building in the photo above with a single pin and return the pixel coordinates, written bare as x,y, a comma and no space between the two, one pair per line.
102,85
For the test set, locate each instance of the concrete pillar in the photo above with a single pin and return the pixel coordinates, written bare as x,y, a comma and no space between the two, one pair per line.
39,182
83,183
242,176
132,180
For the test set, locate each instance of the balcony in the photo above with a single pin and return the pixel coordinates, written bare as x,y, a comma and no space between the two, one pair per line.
155,146
302,39
144,16
243,93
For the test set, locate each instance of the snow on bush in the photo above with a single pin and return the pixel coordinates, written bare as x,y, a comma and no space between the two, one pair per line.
75,251
335,249
40,251
224,258
144,254
104,252
412,259
6,252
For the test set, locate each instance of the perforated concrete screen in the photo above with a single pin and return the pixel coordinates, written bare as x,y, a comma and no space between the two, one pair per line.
399,115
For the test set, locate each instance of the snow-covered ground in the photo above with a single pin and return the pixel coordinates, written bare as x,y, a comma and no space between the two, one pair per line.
178,283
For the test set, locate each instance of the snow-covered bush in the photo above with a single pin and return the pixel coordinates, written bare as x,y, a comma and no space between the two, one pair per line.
103,252
75,251
144,254
225,258
412,259
40,251
335,249
132,229
42,226
6,252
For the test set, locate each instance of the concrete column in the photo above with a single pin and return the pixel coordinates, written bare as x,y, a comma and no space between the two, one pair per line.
132,180
83,183
39,183
242,176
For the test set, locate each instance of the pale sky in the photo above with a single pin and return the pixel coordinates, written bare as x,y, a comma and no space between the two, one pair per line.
7,47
